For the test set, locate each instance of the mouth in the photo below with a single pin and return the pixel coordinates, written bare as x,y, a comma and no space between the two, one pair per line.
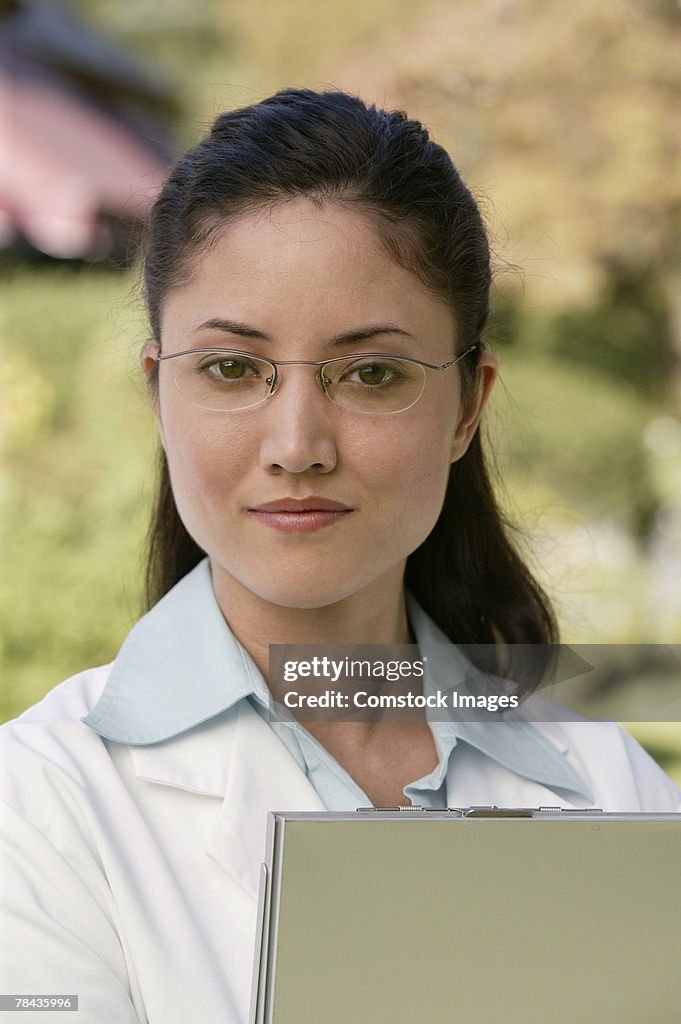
300,515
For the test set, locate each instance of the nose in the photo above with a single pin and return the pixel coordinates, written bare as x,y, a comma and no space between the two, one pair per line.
298,425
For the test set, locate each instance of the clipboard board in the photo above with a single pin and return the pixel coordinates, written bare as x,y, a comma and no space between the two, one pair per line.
482,915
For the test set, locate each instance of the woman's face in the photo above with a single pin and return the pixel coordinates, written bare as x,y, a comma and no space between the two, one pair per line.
301,276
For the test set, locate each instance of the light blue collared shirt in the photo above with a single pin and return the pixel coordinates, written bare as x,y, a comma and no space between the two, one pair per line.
181,665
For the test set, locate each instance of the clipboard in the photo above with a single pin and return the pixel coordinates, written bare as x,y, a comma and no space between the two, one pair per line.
482,915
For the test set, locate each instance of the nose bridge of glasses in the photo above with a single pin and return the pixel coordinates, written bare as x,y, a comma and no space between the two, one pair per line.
278,376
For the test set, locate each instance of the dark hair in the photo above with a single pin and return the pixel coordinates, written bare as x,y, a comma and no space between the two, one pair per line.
332,147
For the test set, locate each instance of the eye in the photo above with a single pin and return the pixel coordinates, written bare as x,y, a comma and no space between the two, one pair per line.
232,367
374,373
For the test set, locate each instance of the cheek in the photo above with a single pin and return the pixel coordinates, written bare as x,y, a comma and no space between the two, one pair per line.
205,461
415,475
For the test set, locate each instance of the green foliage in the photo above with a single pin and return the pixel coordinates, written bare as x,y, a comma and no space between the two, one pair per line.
625,335
579,434
74,486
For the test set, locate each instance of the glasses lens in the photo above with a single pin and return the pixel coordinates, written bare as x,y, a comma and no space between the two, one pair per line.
374,384
224,381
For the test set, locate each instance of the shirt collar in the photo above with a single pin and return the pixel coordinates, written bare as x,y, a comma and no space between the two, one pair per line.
513,741
181,665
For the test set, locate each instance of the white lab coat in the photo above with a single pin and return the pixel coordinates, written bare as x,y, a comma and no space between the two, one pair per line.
129,873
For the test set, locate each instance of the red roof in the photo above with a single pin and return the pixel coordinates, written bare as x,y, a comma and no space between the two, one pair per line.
83,144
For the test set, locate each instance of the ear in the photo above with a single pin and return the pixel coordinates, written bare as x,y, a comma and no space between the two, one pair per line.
486,371
148,359
149,364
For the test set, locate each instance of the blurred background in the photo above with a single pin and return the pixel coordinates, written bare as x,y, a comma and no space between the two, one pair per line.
563,119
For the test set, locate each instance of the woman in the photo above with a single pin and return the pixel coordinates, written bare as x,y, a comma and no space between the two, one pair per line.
317,278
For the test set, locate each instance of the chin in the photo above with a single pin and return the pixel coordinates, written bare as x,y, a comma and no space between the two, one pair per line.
304,583
307,580
296,593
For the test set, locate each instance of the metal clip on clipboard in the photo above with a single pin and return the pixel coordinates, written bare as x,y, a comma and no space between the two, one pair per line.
485,811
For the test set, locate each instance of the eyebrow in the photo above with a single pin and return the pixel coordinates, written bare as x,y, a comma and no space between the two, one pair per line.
337,341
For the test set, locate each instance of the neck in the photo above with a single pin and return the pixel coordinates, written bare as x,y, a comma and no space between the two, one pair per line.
377,614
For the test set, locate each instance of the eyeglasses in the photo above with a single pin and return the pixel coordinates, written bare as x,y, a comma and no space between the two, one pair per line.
225,380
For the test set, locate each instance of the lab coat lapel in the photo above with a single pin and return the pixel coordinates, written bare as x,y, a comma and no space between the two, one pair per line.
262,777
238,758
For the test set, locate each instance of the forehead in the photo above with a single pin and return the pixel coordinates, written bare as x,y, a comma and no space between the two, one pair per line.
298,262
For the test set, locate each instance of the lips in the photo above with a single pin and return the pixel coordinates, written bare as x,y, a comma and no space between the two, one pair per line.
311,504
300,515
